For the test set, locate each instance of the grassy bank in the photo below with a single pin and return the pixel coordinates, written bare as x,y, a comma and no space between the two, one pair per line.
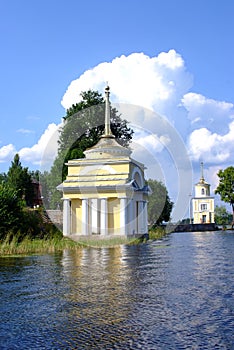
58,243
37,246
157,233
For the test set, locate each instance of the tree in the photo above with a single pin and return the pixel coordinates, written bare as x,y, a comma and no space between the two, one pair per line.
84,124
222,217
10,210
3,178
160,205
226,187
19,179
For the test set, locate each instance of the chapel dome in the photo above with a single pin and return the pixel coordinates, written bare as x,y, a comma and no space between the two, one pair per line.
107,147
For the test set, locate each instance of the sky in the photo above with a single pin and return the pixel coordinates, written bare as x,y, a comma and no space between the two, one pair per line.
172,59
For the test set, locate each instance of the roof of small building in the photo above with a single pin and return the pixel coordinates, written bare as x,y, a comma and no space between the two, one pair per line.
107,147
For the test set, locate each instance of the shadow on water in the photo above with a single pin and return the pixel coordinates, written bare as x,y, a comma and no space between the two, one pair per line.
171,294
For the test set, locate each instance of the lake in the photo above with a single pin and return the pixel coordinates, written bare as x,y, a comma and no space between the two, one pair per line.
177,293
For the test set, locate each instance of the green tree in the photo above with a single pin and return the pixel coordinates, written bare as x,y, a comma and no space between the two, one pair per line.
160,205
19,179
10,210
222,216
35,175
3,177
226,187
84,124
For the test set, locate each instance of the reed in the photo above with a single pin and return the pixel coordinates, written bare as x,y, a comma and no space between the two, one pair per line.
37,246
157,233
13,246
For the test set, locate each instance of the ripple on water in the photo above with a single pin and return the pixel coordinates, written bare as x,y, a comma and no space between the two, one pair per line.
172,294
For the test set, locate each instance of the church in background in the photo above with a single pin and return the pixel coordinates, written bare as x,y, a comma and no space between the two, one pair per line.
202,202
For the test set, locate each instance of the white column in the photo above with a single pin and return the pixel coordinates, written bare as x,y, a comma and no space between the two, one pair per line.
130,225
123,216
145,205
104,217
66,217
85,216
134,219
95,215
140,217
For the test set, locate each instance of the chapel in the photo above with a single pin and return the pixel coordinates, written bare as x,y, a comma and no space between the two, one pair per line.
203,202
105,193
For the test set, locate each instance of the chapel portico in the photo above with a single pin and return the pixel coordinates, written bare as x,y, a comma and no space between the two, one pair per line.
105,193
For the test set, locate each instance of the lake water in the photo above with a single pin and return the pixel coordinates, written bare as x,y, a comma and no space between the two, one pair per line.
177,293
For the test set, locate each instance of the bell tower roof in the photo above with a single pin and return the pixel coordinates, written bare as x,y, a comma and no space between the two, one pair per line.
202,179
202,182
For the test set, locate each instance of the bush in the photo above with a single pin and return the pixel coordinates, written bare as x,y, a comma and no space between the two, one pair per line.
11,209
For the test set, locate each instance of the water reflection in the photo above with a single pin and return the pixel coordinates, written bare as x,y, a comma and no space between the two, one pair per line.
173,294
99,284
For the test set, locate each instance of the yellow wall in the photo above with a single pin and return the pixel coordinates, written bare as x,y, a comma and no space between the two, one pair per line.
198,213
113,215
76,224
85,167
89,179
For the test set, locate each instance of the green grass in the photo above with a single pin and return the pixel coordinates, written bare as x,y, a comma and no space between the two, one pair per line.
157,233
37,246
51,245
40,246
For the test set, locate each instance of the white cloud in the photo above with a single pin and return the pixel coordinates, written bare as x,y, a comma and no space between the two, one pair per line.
207,112
170,59
153,142
136,79
212,147
47,142
7,153
25,131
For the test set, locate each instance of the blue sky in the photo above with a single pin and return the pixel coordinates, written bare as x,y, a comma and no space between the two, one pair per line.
186,45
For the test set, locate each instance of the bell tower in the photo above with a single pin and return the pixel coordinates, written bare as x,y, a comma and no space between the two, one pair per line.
203,202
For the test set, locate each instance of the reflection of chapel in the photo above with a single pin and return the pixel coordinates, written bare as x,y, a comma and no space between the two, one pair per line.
105,193
203,203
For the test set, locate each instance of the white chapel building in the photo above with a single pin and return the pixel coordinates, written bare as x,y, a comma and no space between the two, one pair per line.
203,202
105,193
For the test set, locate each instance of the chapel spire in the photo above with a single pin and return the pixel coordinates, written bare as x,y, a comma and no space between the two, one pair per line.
108,132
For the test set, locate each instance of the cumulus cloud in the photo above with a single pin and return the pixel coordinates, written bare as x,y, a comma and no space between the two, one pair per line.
212,147
7,153
136,79
47,142
153,142
207,112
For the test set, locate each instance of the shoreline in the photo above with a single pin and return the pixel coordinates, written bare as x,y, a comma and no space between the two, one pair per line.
30,246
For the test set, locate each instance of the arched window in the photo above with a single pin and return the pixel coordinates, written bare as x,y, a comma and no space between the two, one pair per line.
137,176
202,191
